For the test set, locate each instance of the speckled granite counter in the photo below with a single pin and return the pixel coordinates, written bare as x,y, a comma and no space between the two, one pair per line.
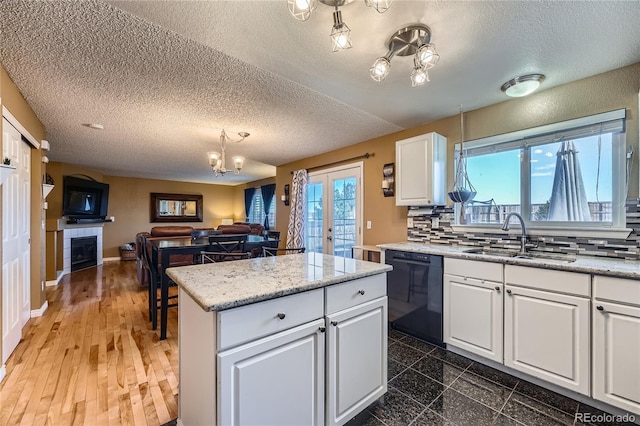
225,285
587,264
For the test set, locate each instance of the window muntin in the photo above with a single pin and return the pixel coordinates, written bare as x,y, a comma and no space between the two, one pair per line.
515,172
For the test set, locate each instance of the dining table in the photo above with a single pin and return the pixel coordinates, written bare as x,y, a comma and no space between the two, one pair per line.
161,252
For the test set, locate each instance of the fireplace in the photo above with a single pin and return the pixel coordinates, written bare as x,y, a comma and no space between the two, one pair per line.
84,252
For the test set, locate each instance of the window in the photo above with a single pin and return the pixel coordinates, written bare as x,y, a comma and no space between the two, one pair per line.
256,211
567,175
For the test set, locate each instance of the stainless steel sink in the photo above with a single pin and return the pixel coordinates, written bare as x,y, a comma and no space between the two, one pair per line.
492,252
546,256
519,255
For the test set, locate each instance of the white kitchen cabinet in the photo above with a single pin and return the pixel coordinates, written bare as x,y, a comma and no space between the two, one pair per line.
473,307
546,334
356,359
421,170
278,380
616,342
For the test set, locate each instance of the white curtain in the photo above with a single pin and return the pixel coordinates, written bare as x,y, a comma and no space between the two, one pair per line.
295,230
568,196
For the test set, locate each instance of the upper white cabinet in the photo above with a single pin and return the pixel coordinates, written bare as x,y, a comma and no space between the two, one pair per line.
546,333
616,342
421,170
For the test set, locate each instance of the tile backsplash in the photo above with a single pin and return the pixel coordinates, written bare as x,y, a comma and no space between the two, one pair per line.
435,228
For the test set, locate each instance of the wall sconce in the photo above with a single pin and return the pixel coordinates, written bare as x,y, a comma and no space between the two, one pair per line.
45,159
285,197
388,179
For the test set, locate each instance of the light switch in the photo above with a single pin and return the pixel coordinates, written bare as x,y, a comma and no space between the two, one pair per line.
368,224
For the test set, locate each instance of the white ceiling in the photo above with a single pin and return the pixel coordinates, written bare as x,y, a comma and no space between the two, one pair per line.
165,77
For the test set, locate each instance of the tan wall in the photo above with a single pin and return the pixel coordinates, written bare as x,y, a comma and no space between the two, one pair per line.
605,92
11,98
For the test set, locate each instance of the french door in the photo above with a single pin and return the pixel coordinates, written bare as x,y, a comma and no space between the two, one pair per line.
15,239
334,210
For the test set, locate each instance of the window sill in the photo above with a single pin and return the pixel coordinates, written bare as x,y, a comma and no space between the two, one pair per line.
607,233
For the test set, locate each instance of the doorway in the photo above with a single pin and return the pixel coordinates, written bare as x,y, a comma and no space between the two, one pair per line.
334,210
16,214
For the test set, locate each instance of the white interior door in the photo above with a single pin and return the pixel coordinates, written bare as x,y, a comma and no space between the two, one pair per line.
15,240
334,210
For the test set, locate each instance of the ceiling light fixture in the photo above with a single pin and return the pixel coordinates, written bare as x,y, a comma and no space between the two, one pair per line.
340,32
217,160
523,85
413,40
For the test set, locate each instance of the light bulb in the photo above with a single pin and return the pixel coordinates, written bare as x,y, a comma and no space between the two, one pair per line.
426,56
419,76
303,4
238,161
301,9
380,69
342,41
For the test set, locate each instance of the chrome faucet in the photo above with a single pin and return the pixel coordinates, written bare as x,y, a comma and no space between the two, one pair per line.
523,238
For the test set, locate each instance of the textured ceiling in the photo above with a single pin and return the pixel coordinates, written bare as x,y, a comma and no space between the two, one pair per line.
165,77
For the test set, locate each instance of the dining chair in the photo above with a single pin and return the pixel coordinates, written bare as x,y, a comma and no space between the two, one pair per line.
273,234
226,247
274,251
155,280
209,256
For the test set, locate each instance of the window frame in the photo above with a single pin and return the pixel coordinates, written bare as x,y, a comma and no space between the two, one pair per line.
535,136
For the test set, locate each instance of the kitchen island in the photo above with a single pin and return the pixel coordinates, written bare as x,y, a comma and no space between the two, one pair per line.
287,340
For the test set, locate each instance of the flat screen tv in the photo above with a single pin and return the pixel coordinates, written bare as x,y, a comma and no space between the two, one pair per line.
84,198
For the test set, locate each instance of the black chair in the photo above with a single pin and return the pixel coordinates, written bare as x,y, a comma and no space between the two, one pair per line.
225,247
274,251
155,278
273,234
209,257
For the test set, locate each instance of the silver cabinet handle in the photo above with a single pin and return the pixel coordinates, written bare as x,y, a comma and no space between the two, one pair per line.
497,288
361,292
281,315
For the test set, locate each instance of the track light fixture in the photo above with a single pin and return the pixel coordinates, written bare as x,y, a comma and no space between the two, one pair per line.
340,32
413,40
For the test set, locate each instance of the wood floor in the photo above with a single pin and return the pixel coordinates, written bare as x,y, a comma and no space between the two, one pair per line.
92,358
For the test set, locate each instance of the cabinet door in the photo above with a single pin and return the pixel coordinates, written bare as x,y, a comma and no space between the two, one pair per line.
278,380
473,315
356,359
547,336
616,355
421,171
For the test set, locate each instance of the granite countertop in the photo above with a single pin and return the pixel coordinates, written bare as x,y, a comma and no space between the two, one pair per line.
587,264
225,285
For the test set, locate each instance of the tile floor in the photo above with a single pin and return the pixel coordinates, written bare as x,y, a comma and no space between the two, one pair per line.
432,386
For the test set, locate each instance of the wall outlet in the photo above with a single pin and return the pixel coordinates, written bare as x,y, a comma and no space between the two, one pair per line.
409,222
368,224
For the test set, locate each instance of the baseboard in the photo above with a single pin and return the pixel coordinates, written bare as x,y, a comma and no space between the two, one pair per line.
39,312
111,259
52,283
3,372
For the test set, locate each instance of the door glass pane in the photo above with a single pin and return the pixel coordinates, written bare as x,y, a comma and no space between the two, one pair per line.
344,216
313,227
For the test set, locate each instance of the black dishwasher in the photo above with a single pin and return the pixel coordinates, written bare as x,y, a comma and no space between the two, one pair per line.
414,290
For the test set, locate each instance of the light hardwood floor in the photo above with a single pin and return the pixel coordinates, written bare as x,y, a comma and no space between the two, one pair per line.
92,358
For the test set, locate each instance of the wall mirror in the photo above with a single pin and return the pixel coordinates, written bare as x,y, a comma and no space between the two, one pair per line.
176,207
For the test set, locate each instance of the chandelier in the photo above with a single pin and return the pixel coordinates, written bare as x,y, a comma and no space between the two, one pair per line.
340,32
413,40
217,160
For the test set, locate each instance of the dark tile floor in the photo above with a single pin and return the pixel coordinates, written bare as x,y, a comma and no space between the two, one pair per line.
432,386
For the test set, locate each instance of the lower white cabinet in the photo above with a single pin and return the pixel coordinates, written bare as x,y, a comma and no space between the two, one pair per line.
277,380
473,315
616,342
356,359
546,334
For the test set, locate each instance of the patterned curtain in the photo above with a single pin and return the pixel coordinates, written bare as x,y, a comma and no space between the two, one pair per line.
295,231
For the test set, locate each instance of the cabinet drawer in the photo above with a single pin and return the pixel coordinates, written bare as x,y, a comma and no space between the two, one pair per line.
550,280
617,289
352,293
473,269
246,323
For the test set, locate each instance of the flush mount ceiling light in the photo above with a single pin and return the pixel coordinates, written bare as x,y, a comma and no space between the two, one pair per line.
523,85
217,160
340,32
413,40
